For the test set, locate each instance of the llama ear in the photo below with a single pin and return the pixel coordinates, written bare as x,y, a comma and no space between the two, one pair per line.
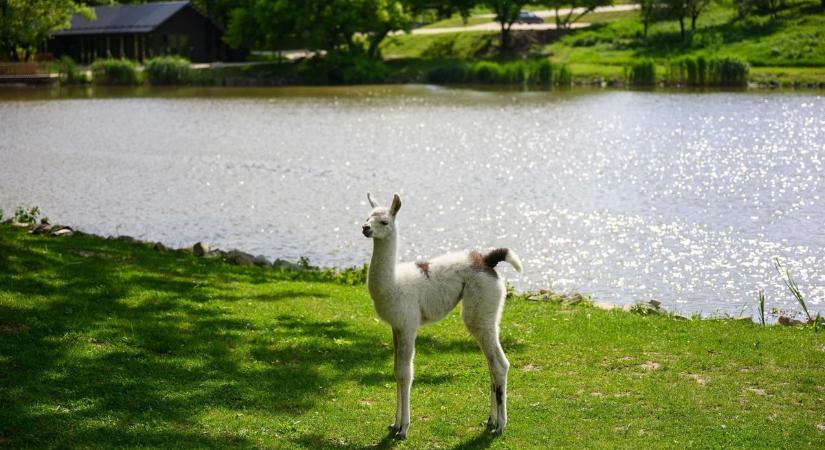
372,202
396,204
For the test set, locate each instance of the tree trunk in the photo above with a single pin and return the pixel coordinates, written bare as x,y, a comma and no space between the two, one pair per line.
375,42
505,39
682,26
693,22
647,21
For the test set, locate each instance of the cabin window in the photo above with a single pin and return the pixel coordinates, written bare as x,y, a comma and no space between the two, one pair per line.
178,44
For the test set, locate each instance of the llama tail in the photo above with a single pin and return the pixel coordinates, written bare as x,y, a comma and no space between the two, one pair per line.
503,254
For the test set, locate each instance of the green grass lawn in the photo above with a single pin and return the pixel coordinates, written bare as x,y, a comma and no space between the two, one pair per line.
107,343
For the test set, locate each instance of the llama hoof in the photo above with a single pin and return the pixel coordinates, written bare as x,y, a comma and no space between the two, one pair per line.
393,429
490,423
401,435
497,431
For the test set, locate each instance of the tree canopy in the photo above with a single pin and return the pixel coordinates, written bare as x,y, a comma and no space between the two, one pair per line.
24,24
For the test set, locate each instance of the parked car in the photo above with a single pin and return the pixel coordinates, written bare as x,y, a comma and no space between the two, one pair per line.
528,17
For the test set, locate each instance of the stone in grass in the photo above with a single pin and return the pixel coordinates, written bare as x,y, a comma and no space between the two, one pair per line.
245,259
787,321
43,228
200,249
284,264
159,247
59,230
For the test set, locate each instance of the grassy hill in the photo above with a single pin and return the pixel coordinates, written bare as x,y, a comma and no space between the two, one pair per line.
788,49
110,343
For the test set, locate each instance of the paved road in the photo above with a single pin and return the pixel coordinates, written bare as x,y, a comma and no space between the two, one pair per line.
547,14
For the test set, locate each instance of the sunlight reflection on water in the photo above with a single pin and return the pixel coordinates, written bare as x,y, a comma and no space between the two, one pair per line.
627,196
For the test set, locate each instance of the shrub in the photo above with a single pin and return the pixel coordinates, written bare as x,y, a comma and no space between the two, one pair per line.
689,71
451,72
168,70
22,215
115,71
535,72
67,69
642,73
728,72
487,72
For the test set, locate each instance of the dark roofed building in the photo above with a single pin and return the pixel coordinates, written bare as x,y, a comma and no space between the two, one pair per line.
142,31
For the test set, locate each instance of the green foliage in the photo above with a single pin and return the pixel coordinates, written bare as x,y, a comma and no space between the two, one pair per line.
69,74
115,72
728,72
29,216
792,286
642,73
25,24
526,72
762,308
168,70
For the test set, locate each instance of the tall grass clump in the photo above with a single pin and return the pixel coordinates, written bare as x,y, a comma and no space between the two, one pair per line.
168,70
792,286
728,72
527,72
688,71
68,71
642,73
762,308
115,71
449,73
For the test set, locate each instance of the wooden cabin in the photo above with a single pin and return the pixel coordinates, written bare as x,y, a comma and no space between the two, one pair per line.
142,31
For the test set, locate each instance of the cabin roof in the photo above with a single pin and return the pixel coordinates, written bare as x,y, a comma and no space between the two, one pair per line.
136,18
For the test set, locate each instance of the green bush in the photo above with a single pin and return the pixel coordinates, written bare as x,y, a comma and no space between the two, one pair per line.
642,73
115,71
486,72
698,71
168,70
450,72
728,72
67,69
530,72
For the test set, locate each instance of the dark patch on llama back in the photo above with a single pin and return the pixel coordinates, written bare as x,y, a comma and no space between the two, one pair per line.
487,263
424,267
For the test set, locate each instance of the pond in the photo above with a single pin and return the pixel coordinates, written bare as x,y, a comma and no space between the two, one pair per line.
677,196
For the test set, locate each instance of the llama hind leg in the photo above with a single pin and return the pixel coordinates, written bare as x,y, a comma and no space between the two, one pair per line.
481,312
499,367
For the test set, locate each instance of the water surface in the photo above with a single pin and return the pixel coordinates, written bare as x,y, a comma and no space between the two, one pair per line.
682,197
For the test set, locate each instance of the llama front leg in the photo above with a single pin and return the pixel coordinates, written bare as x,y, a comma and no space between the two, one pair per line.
396,426
404,378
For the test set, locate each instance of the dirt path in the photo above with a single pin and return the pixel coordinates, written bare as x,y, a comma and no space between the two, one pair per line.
550,25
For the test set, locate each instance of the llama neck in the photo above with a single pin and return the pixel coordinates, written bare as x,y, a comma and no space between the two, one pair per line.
382,266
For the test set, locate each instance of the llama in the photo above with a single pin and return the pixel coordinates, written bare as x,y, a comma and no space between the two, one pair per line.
409,295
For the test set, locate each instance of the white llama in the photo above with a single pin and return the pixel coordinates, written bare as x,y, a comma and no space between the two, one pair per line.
409,295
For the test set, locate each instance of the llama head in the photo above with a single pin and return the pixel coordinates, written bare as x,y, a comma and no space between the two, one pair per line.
381,222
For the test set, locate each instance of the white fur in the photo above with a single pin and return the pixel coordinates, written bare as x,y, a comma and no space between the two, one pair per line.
408,295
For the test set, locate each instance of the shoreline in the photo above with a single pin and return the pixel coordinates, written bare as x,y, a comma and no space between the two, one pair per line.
354,276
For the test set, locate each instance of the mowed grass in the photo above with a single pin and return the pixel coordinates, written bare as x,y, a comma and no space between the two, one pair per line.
107,344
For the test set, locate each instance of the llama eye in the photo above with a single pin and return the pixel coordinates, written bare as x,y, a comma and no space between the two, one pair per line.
384,222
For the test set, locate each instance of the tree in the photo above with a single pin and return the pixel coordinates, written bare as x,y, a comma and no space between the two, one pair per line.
680,10
333,26
506,13
25,24
576,10
694,8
